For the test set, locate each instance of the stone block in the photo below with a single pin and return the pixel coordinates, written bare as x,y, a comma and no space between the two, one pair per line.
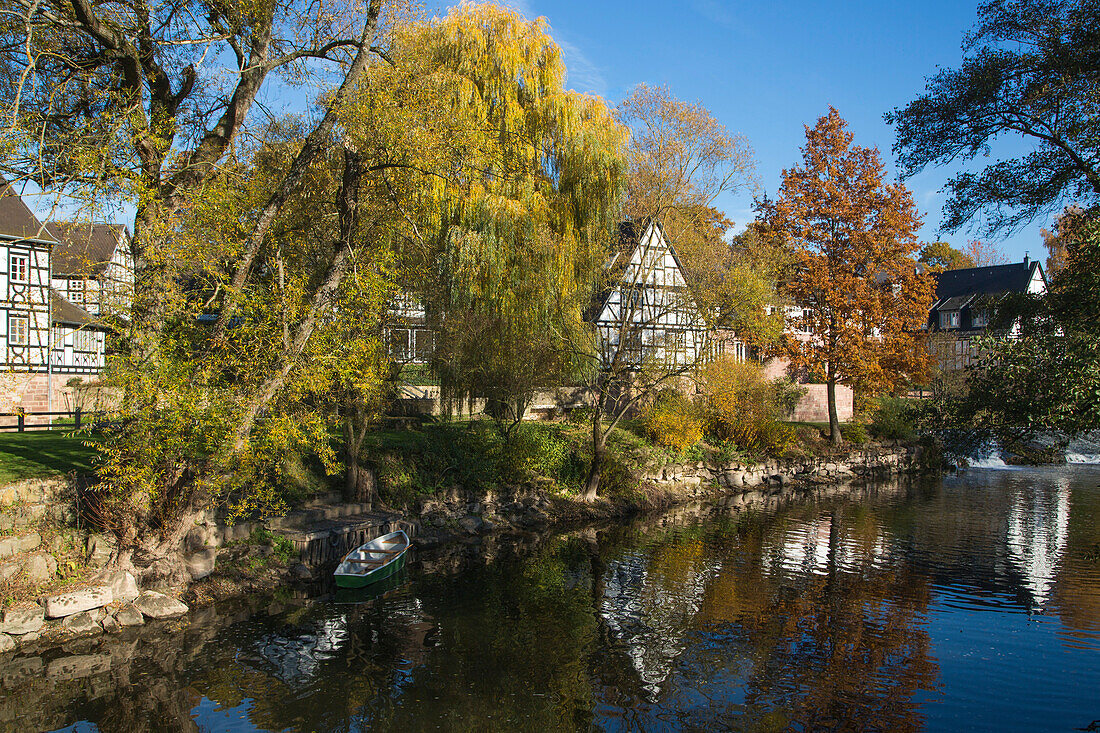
99,547
7,643
111,625
39,567
66,604
9,571
158,605
129,615
23,620
201,564
29,542
9,546
471,524
81,624
123,586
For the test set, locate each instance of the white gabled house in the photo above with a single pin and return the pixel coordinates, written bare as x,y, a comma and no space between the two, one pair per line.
46,339
91,267
24,285
647,313
966,301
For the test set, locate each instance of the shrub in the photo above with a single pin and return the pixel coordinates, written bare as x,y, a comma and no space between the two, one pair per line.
674,421
775,438
542,450
854,433
894,419
744,408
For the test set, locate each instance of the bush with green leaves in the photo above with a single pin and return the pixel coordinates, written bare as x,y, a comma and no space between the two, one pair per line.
854,433
893,418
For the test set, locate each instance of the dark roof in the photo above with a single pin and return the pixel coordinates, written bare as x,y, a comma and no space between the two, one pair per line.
993,279
16,220
84,249
622,247
68,314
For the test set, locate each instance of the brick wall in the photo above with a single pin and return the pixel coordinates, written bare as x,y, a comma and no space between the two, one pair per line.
32,393
814,405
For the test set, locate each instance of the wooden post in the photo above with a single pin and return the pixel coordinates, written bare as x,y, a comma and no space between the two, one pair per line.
76,414
21,417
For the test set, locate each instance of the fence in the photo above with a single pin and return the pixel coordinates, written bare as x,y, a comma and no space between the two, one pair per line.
65,420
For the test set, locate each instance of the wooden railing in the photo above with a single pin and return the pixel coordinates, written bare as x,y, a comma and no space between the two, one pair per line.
77,416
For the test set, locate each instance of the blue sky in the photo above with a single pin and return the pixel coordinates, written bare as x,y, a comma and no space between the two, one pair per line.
767,69
764,70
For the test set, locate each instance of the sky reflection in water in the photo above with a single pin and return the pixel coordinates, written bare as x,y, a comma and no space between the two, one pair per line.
970,603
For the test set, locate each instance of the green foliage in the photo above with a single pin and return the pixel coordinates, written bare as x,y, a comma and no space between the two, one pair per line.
855,433
674,420
1046,378
284,551
474,455
893,419
508,228
1029,71
943,256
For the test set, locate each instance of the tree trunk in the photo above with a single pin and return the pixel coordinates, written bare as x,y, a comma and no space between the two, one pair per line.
834,421
360,484
599,445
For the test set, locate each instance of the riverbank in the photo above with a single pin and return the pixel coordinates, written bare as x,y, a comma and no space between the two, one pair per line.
250,558
900,580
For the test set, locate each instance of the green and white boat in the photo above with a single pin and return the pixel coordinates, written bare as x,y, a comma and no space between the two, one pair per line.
373,561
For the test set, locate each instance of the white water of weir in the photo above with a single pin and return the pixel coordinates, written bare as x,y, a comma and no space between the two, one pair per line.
1080,451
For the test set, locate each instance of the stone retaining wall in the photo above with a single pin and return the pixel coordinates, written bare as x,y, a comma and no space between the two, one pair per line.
870,460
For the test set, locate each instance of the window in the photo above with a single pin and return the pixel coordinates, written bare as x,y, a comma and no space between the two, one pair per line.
17,268
76,291
424,342
58,337
84,341
17,330
980,318
399,344
949,319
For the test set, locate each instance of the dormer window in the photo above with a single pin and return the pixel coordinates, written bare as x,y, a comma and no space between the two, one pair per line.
980,319
949,319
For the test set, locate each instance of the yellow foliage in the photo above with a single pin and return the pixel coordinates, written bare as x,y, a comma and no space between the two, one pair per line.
675,421
744,408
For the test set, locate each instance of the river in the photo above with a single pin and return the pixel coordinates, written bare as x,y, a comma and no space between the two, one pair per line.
970,602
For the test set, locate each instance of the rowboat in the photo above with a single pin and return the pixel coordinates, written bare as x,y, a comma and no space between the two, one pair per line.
373,561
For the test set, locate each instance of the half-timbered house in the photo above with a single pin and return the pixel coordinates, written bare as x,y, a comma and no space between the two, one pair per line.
647,313
45,340
24,285
966,301
91,267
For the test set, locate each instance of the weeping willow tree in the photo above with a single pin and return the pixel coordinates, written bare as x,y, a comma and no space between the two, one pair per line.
509,184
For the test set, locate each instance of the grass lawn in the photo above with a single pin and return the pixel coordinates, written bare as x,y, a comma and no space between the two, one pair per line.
42,454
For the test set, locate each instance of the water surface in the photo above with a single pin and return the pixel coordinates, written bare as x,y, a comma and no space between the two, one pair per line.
968,603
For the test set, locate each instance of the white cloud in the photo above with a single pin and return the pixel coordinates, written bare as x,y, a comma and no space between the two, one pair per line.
713,11
583,75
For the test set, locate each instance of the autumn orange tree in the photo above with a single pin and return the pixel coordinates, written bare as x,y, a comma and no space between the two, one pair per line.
854,238
983,254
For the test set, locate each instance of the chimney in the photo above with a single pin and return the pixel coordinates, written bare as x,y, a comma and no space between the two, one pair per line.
1027,260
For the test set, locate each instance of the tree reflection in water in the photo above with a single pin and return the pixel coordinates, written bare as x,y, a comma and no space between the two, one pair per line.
825,612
